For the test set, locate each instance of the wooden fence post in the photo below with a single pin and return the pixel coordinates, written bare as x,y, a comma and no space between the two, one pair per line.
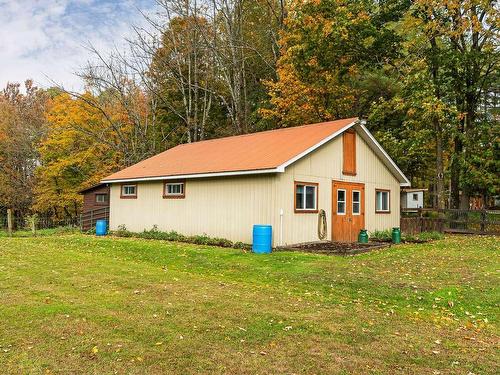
421,220
483,221
33,224
9,221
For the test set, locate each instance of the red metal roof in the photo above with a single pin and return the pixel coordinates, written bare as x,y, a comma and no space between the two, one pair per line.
249,152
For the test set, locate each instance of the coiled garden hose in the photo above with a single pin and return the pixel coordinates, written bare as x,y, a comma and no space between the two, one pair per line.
322,231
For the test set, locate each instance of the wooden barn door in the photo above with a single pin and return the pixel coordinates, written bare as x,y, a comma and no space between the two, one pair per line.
348,211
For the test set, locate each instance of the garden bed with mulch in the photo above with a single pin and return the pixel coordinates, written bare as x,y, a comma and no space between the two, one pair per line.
334,248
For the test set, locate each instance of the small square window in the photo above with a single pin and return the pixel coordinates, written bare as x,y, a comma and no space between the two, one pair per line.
129,191
306,197
415,196
382,201
173,190
101,198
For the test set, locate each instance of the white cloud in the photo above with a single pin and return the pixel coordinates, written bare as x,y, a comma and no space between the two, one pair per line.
44,39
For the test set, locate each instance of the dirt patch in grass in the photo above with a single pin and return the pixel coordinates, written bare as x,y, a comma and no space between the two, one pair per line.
335,248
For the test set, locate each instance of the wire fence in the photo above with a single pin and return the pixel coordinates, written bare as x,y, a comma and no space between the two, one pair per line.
24,223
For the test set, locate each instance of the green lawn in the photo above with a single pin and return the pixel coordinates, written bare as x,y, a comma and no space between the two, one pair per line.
71,303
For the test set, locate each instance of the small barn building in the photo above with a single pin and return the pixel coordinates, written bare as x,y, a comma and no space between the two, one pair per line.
412,198
284,178
95,205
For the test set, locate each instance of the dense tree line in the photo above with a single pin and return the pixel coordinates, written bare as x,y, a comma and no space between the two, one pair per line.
423,73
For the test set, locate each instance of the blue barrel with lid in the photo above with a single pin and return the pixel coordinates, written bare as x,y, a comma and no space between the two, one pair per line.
101,227
262,239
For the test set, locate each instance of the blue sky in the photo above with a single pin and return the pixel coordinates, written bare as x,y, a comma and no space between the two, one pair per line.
46,38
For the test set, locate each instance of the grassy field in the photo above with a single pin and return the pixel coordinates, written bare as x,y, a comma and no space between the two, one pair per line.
78,304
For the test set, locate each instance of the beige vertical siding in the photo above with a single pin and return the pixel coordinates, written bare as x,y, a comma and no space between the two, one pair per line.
229,206
223,207
323,166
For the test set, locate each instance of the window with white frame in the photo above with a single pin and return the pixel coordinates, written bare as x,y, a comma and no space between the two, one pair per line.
382,201
129,191
306,197
356,202
341,201
101,198
415,196
174,190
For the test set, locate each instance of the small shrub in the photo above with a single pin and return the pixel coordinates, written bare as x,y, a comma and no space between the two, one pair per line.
241,245
381,235
199,239
222,242
155,234
421,237
408,238
174,236
66,229
32,222
121,232
430,236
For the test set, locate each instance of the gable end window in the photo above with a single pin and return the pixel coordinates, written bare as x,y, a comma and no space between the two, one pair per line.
382,201
174,189
349,152
101,198
306,197
128,191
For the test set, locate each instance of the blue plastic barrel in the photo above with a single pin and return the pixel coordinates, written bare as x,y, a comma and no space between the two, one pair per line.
101,227
262,239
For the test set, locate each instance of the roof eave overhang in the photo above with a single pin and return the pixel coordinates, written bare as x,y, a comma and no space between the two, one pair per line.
82,191
195,175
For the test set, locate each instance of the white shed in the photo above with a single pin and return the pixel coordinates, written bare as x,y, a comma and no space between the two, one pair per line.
412,198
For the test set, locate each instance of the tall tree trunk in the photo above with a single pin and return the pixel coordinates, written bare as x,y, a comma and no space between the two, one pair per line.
439,166
455,173
438,131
